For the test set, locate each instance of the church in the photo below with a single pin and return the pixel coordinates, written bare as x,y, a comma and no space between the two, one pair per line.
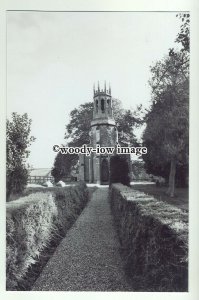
103,132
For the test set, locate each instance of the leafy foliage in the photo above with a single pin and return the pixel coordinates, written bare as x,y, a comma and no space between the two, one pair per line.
127,121
62,165
77,131
183,36
119,170
139,171
167,130
18,140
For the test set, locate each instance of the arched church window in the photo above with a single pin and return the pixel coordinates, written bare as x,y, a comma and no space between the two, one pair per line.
109,105
104,171
97,106
97,134
102,105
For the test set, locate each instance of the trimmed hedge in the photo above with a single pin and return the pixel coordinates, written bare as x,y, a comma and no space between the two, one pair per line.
34,220
154,240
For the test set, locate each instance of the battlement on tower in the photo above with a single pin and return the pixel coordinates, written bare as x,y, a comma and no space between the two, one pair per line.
102,92
102,106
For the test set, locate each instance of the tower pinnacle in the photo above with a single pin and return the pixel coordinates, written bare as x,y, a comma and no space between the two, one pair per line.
99,90
109,89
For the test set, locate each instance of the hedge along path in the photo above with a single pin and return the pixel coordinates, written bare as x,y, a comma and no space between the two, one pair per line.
88,258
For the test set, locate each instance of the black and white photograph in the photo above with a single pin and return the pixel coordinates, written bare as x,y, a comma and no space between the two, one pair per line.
97,151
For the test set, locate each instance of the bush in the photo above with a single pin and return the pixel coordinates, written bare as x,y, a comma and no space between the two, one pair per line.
119,170
34,220
29,228
18,140
154,240
16,180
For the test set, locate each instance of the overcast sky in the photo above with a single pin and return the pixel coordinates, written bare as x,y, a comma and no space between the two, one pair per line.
54,58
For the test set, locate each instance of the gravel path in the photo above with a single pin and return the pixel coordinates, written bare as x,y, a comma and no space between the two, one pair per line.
88,257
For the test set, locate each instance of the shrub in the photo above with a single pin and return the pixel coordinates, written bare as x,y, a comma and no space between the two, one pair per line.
119,170
34,220
154,240
18,140
29,228
16,180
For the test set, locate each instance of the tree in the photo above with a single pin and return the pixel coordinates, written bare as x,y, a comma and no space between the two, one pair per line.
183,37
77,132
127,121
63,165
166,133
18,140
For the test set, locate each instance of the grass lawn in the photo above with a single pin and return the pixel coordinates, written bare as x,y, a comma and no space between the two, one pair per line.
181,194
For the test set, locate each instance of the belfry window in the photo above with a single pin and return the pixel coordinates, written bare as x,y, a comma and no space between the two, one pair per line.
97,106
102,105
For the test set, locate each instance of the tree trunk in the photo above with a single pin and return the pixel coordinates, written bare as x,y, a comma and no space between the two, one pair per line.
172,174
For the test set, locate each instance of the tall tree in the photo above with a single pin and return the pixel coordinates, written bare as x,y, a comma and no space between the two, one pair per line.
18,140
166,134
77,131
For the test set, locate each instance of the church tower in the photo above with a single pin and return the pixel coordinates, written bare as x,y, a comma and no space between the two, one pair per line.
103,132
103,128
